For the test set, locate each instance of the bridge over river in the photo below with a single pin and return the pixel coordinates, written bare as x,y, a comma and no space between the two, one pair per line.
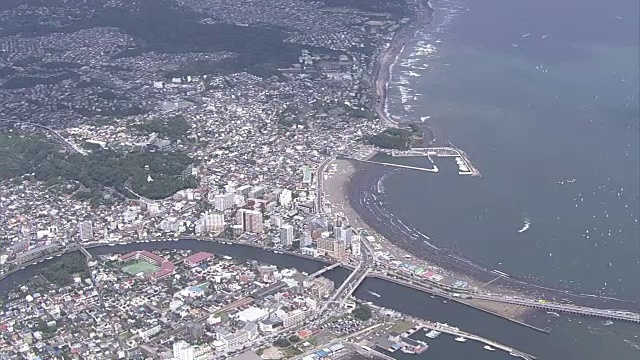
361,272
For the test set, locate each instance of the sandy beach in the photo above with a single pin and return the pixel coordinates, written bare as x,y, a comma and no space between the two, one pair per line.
381,74
336,190
507,310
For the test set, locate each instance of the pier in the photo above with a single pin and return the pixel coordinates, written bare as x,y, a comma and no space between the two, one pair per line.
465,165
457,332
434,169
367,351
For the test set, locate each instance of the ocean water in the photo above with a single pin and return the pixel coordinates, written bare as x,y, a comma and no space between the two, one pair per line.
543,97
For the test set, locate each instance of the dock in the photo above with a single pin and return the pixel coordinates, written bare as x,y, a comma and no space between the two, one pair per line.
451,330
367,351
433,170
465,165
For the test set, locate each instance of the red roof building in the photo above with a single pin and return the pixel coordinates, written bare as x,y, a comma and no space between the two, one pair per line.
197,258
166,267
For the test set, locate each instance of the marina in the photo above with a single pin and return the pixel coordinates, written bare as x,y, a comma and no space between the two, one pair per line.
407,343
465,166
488,344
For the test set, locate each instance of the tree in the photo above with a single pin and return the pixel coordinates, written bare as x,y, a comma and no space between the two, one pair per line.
362,312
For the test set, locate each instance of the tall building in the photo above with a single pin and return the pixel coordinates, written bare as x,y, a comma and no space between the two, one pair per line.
250,220
210,222
331,247
355,248
285,197
86,230
306,239
276,220
344,235
243,190
183,351
292,318
222,202
286,234
256,192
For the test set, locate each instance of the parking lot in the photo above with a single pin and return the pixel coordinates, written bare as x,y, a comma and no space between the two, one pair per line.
345,326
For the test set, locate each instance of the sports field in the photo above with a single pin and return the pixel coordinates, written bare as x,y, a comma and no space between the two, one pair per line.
139,267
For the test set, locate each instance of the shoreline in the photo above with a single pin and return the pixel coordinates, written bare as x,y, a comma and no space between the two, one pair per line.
444,261
337,193
381,75
451,263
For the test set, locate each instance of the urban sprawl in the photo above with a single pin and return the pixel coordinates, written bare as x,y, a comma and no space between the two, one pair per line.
145,121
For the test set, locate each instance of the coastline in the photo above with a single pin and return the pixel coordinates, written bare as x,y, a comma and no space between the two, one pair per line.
346,170
338,195
381,75
443,261
349,202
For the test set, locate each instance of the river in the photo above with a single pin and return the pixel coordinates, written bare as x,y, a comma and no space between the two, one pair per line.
569,340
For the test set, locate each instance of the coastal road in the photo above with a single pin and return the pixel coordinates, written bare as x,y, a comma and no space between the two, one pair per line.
319,183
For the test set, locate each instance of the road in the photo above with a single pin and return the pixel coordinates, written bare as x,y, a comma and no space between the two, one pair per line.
71,146
56,134
533,303
347,288
319,184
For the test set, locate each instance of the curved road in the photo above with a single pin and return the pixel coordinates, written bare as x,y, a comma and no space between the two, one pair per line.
56,134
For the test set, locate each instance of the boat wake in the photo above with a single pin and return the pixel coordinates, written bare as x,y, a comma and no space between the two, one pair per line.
632,344
525,226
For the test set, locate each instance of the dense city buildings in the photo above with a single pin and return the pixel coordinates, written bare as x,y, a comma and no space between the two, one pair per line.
215,121
140,301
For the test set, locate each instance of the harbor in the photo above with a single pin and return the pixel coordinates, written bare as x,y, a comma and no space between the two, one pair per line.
462,336
465,166
390,342
434,169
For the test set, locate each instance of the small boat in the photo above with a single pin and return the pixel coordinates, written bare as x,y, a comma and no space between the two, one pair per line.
460,339
607,322
432,334
514,354
487,347
374,293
